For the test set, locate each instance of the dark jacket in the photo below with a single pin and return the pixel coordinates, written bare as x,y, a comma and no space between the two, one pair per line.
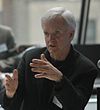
73,92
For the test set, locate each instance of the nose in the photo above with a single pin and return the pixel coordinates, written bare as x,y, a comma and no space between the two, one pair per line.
51,37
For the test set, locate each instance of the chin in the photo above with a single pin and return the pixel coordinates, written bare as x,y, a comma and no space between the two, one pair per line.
53,54
52,51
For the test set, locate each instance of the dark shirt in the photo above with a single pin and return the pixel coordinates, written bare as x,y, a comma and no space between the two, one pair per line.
73,91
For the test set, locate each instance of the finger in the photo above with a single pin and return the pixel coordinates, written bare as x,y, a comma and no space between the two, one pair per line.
7,83
15,74
35,65
40,69
43,57
8,77
38,62
42,75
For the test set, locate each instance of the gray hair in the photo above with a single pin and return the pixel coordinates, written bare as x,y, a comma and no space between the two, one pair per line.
66,14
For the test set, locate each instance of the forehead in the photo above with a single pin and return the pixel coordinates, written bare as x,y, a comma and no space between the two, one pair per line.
56,22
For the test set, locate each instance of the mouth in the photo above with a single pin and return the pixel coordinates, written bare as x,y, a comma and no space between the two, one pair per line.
52,46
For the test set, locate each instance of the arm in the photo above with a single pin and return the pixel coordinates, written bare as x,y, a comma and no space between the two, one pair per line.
13,100
73,92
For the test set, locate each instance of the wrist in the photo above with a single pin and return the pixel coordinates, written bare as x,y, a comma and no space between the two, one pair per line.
60,84
9,94
60,77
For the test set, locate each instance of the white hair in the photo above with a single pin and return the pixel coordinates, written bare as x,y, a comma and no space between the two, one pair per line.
66,14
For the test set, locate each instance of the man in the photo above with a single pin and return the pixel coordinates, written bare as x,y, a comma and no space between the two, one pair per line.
7,42
53,78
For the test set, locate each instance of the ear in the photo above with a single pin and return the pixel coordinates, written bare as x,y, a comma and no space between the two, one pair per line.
71,35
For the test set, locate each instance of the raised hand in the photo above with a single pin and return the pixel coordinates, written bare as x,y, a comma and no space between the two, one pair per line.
11,83
45,69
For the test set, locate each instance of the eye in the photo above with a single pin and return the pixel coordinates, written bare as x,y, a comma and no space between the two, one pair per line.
57,33
46,33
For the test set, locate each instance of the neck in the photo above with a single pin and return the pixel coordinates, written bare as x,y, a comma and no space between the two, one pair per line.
60,56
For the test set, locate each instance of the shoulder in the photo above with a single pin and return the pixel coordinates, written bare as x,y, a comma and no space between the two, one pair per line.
5,28
83,63
84,67
34,52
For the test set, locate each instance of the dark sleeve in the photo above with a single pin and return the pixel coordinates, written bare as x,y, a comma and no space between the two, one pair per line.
74,95
15,102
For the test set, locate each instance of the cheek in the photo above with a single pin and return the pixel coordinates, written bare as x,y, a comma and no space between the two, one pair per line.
46,41
63,42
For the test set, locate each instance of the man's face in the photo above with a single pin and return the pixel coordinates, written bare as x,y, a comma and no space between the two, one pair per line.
57,35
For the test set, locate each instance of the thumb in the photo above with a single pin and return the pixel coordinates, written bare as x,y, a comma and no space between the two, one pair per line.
43,57
15,74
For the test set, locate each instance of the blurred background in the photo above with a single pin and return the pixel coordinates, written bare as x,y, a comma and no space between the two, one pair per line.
24,17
